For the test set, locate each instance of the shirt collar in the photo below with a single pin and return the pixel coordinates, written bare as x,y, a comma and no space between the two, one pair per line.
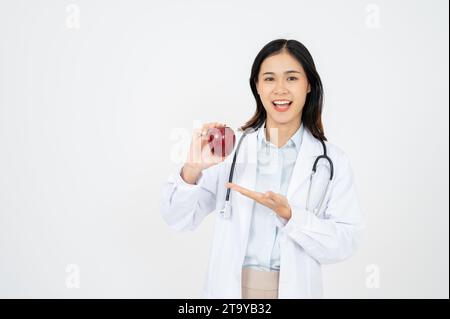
295,140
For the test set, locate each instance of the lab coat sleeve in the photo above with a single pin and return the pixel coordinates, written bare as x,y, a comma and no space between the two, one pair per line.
335,237
183,205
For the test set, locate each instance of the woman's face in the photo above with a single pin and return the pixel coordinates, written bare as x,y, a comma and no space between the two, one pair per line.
282,86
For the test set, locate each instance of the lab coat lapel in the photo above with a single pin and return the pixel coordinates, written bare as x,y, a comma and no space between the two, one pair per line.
309,150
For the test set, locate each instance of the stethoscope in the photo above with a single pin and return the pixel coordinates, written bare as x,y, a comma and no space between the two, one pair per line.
226,210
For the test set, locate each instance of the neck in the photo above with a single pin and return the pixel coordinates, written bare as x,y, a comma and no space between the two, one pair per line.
281,133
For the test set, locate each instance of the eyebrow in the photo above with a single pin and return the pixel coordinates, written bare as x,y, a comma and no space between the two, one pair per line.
290,71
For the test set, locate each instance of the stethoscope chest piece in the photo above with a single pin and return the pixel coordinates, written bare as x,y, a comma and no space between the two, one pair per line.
225,212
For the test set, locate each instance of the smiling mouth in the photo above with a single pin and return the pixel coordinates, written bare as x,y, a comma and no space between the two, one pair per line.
281,105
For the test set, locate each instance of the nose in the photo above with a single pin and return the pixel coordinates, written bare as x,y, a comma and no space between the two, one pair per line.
280,88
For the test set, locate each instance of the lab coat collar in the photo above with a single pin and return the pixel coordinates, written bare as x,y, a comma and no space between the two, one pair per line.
295,140
309,150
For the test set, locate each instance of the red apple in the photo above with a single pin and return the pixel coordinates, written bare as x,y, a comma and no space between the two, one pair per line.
221,141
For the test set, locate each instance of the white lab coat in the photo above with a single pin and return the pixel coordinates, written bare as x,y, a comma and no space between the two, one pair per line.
307,240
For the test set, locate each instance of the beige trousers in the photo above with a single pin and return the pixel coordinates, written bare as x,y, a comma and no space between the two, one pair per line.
258,284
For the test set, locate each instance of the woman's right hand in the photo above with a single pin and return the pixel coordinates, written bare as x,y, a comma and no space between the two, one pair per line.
200,155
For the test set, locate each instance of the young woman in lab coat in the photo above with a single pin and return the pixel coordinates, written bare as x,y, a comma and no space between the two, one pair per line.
271,245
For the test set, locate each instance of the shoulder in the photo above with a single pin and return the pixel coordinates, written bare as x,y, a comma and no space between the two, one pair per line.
245,138
341,160
335,151
250,132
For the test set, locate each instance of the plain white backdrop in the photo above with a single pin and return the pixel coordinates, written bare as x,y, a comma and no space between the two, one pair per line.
98,98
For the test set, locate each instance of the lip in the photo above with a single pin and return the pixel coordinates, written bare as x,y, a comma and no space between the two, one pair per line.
280,108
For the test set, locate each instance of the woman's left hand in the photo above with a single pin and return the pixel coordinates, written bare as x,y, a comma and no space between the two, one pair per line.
277,202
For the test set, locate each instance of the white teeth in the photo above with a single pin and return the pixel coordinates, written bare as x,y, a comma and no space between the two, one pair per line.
281,102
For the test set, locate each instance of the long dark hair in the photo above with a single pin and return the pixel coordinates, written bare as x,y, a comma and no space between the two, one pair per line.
312,110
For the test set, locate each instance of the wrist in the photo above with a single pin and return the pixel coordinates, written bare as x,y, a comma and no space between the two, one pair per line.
286,213
190,173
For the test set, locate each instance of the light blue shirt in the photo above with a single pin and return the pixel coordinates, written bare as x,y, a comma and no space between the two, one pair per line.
274,170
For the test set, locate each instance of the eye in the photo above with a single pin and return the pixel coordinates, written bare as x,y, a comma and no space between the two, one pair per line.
292,77
268,79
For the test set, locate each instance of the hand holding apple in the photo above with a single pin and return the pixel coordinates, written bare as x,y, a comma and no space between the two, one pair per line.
205,150
221,141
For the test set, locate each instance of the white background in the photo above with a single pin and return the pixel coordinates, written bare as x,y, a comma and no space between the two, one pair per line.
96,99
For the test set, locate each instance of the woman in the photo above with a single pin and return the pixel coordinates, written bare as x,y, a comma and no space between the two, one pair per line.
282,226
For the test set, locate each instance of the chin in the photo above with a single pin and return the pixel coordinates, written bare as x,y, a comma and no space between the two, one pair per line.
282,119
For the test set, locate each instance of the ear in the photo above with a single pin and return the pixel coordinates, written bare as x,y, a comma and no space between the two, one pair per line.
309,88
